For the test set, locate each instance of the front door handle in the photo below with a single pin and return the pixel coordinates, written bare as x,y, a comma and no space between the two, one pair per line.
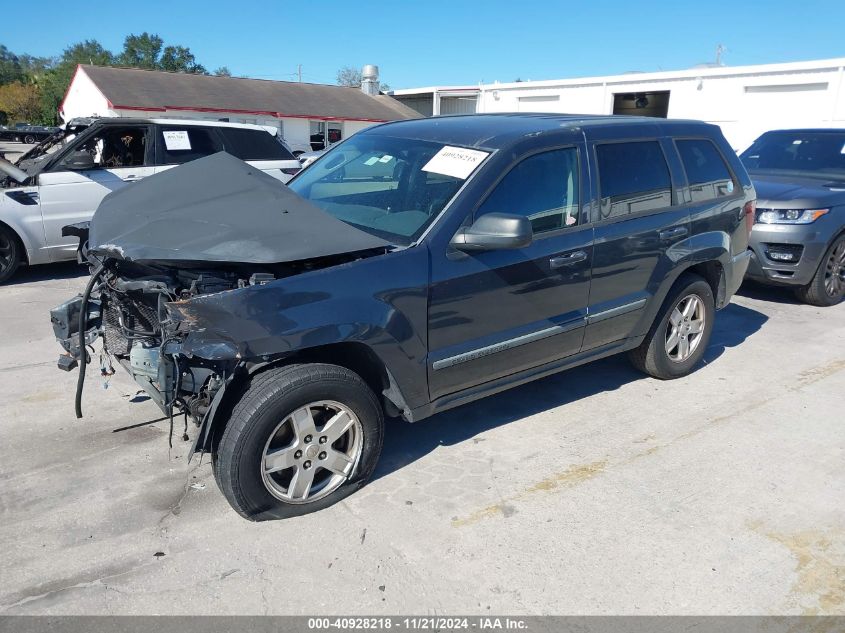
131,178
567,259
671,234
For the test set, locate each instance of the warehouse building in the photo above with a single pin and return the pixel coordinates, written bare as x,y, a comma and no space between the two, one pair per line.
744,100
306,114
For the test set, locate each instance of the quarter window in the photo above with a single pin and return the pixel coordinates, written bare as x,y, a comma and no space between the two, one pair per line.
707,173
184,144
254,144
543,188
633,177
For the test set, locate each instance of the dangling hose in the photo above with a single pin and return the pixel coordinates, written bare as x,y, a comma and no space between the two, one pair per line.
83,326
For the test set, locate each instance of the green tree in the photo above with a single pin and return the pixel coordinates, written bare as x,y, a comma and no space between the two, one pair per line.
180,59
20,101
10,66
141,51
223,71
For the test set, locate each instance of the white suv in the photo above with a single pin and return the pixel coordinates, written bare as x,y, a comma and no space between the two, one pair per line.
63,180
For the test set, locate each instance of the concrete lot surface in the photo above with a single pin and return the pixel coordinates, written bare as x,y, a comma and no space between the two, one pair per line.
594,491
13,150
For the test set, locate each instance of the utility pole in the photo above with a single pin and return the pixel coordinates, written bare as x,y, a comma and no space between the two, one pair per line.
299,72
719,50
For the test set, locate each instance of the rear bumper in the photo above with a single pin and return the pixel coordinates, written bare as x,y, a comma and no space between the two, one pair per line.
735,273
806,244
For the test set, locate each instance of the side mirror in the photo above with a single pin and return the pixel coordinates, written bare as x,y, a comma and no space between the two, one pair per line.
494,231
79,161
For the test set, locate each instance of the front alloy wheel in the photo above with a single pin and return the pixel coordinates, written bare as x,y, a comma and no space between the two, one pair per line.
10,257
827,286
299,439
312,452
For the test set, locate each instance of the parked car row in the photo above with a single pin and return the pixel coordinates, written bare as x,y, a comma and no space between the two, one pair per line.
25,133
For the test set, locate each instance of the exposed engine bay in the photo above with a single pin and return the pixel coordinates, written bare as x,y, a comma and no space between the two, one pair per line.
129,318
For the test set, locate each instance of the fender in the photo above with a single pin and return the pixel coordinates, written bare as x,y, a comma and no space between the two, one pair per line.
383,299
21,212
702,248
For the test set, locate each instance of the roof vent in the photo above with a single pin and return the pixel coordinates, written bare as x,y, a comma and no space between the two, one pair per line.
369,79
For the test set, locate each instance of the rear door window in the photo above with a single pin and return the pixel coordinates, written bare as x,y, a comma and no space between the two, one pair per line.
183,144
253,144
633,178
707,173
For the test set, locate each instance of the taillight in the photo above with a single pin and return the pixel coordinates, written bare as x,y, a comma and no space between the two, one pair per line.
750,209
291,171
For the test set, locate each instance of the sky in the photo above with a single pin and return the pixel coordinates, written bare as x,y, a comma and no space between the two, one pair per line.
450,42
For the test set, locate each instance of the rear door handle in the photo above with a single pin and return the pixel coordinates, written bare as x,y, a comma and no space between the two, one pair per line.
671,234
567,259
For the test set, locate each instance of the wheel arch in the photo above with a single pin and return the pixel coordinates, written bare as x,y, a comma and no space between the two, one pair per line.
16,234
354,356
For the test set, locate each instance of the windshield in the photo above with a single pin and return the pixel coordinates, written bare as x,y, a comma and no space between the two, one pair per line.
821,153
381,185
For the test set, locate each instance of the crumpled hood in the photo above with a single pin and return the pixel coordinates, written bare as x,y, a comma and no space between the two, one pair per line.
218,209
796,192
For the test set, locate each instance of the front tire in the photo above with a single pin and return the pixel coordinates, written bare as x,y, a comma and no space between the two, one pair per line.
29,139
677,341
828,284
10,254
300,439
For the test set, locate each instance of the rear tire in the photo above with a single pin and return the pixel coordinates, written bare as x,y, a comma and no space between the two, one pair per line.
29,139
300,439
828,284
10,254
679,337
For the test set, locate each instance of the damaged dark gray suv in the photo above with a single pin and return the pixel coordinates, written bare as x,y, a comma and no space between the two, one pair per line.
415,267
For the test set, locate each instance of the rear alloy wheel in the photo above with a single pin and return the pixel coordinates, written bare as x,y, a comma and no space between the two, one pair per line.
828,284
301,438
685,328
10,256
29,139
678,339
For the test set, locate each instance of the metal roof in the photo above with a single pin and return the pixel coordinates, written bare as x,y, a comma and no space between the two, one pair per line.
152,90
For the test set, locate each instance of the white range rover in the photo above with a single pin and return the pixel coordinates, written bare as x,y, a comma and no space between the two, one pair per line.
62,180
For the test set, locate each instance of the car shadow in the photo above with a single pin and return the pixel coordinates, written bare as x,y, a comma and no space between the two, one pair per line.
46,272
762,292
405,443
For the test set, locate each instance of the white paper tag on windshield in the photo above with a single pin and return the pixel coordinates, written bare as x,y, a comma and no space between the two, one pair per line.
176,140
457,162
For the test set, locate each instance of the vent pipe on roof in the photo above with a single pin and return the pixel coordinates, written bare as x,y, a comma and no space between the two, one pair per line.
369,80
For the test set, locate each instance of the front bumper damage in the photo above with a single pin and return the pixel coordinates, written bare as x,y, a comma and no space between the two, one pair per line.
132,323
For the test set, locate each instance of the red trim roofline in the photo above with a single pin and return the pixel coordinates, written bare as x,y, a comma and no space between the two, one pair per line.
277,115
